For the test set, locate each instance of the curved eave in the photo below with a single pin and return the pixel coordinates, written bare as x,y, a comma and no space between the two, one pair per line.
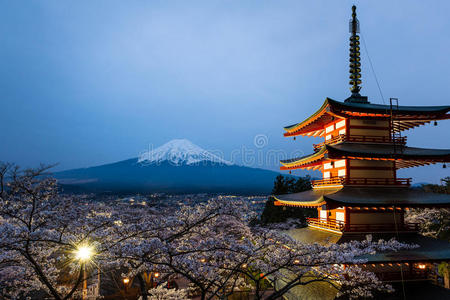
408,123
299,128
310,204
407,117
310,161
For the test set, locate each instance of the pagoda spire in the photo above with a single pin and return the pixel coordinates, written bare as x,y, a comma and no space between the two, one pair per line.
355,61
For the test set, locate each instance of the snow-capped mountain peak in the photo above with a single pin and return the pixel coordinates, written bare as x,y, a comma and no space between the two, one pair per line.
180,152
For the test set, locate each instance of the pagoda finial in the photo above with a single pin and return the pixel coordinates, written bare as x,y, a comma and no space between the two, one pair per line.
355,71
355,61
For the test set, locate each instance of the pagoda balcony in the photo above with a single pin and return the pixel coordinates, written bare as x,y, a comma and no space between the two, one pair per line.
329,224
341,226
362,139
405,275
333,181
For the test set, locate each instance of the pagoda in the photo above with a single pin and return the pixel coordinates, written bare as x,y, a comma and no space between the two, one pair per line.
360,192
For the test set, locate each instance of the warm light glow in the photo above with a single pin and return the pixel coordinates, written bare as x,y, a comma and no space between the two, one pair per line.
126,280
421,266
156,275
84,253
296,261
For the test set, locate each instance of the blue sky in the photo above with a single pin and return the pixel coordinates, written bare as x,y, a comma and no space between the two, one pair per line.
90,82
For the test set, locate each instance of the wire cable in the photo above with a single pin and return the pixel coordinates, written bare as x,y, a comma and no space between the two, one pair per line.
371,67
382,98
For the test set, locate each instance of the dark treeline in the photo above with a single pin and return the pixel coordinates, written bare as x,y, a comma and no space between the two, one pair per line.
443,188
287,185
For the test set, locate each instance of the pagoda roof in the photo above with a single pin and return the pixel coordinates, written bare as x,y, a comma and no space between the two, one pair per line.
382,108
407,156
429,249
406,116
352,196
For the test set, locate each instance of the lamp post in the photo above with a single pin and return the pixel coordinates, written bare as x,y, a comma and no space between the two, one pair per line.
84,254
126,281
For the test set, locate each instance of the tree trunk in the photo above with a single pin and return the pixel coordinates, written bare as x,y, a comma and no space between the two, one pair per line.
447,278
143,287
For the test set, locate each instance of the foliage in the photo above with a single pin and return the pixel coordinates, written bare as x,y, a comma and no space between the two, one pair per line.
443,269
287,185
443,188
281,214
161,292
433,222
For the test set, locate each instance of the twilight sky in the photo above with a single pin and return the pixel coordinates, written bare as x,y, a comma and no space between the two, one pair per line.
90,82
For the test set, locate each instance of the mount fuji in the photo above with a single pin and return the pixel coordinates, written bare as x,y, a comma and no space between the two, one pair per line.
178,166
179,152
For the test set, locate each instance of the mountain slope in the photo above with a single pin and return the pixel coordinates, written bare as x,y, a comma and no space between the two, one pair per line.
176,167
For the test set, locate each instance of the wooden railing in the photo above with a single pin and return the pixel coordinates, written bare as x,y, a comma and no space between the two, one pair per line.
382,227
361,181
328,181
378,181
334,140
362,139
334,224
328,224
405,275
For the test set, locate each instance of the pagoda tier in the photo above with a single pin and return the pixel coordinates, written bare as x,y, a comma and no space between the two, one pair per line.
332,111
363,209
348,163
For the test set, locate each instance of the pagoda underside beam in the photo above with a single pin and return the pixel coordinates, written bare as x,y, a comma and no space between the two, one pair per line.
400,163
362,208
311,165
314,128
297,204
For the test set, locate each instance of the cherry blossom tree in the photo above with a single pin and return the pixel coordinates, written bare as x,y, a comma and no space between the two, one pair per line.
210,245
433,222
161,292
41,232
213,247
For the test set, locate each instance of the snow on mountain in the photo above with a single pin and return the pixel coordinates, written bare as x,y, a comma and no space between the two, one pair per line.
180,152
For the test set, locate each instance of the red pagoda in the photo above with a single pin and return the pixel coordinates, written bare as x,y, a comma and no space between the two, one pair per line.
360,192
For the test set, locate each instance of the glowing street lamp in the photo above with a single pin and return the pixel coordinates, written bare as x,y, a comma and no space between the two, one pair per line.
84,254
421,266
126,281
